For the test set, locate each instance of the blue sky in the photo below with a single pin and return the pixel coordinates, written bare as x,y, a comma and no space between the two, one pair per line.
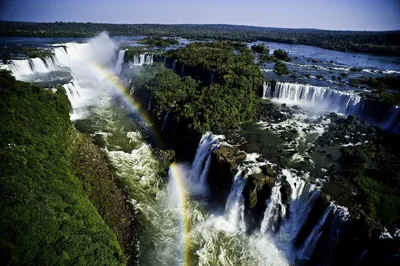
323,14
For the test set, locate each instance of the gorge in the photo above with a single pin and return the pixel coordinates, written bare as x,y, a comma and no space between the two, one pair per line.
270,189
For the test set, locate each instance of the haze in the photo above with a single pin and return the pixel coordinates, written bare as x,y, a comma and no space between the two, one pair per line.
368,15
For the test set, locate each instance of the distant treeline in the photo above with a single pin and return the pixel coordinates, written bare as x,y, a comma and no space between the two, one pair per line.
387,43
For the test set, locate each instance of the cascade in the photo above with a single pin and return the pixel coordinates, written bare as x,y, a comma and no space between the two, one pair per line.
266,90
165,119
332,223
313,238
275,210
25,67
174,65
120,61
392,119
211,76
202,159
72,91
143,59
149,105
283,223
136,60
319,98
337,223
303,197
183,70
234,208
361,259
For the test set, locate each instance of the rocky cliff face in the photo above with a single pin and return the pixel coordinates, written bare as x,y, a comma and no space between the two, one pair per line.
224,165
256,193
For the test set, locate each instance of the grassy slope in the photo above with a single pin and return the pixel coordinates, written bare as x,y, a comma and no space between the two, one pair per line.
45,218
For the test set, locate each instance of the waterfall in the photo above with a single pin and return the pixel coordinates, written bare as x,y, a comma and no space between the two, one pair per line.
78,104
165,120
333,219
120,61
303,197
208,143
72,58
136,60
202,159
337,222
143,59
392,119
149,59
319,98
313,238
284,223
211,76
183,70
361,259
266,90
274,212
25,67
149,105
234,208
174,65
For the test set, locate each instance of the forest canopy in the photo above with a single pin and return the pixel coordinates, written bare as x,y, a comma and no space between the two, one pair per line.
356,41
229,99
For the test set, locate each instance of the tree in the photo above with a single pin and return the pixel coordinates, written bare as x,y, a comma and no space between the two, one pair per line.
280,68
282,55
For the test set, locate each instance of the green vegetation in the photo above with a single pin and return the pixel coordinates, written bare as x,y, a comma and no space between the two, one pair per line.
198,105
260,48
159,42
282,55
280,69
131,52
46,217
375,172
33,52
370,42
385,88
12,51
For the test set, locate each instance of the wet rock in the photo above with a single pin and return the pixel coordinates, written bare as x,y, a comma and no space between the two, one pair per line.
256,192
224,164
267,171
167,156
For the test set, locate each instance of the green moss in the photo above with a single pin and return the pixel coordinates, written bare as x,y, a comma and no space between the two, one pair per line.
45,218
258,182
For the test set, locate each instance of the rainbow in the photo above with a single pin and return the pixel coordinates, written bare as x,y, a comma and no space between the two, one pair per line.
129,100
175,171
177,174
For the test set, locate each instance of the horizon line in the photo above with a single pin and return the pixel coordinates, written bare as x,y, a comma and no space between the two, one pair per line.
197,24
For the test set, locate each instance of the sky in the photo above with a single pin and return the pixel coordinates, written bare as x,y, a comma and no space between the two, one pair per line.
375,15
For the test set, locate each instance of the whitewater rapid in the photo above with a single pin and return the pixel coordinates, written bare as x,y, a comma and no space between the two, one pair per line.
177,224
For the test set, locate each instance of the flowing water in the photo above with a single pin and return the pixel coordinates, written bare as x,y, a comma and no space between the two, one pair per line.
178,225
